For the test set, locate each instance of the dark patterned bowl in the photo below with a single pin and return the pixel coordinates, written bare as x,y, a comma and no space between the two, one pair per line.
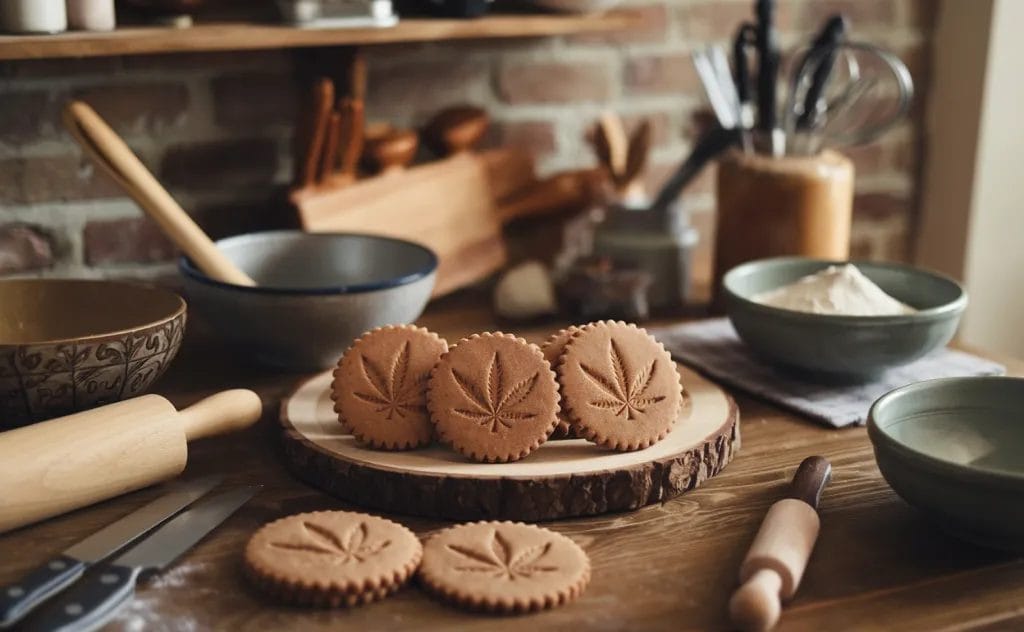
70,345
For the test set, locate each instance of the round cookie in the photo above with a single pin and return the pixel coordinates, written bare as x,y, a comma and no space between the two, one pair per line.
331,558
380,386
619,386
552,349
493,397
504,567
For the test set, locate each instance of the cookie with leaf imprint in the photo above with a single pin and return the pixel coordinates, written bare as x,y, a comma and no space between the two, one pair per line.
331,558
380,386
553,348
503,567
493,397
619,385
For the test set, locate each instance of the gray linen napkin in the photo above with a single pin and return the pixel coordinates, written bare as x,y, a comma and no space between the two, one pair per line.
713,348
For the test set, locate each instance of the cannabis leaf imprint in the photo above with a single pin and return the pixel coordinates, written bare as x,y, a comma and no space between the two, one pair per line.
348,548
625,394
495,408
498,560
393,395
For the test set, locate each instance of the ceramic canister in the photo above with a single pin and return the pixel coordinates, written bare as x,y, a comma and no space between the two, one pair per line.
91,15
33,16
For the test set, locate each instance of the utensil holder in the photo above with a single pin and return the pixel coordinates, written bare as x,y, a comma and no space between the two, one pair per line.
792,205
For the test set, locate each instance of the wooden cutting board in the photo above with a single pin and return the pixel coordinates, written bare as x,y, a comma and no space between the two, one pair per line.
563,478
446,205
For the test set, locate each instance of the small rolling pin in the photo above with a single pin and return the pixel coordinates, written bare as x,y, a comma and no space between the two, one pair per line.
776,561
55,466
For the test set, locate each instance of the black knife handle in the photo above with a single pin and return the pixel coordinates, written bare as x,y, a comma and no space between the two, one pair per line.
90,603
16,600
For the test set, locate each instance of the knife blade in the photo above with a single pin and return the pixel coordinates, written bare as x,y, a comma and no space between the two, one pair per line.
19,599
98,596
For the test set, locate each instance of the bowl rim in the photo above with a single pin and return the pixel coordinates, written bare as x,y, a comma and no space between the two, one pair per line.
939,312
880,437
179,310
188,269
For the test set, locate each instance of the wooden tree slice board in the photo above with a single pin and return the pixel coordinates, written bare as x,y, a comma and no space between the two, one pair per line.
561,479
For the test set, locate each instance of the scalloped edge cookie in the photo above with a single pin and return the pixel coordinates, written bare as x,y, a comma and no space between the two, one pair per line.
612,440
465,445
461,593
306,588
364,432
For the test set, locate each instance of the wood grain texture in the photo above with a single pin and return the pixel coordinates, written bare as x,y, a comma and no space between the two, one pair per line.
878,564
446,205
243,36
559,481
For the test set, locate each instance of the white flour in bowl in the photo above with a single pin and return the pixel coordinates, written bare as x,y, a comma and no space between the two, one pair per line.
839,290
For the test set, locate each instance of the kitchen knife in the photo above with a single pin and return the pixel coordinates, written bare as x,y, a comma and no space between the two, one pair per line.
775,563
108,587
767,65
18,599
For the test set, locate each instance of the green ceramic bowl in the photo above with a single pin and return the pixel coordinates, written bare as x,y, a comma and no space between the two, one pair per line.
954,448
843,348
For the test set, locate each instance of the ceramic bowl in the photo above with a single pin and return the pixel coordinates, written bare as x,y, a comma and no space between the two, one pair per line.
843,348
954,448
315,293
68,345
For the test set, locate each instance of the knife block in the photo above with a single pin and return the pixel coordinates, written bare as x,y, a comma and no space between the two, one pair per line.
449,205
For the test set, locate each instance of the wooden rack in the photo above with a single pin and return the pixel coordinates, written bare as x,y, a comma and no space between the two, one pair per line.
239,36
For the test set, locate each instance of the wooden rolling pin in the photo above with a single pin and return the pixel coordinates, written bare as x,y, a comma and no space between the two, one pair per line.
55,466
776,561
110,152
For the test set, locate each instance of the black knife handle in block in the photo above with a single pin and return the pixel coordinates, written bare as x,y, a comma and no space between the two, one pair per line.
90,603
16,600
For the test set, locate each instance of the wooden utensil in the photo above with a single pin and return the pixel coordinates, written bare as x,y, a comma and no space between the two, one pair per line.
571,190
316,133
55,466
107,150
351,139
776,561
329,157
456,129
611,143
391,151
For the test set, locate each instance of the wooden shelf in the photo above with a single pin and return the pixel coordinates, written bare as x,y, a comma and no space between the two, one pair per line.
240,36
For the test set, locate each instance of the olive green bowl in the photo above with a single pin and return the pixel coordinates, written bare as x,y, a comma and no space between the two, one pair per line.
954,448
843,348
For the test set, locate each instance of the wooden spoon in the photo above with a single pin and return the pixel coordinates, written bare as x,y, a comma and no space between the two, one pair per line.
455,129
390,151
107,150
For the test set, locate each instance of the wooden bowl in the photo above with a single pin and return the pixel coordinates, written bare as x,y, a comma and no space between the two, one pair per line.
954,448
69,345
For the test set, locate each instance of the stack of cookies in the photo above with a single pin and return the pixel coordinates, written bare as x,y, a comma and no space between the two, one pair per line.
495,397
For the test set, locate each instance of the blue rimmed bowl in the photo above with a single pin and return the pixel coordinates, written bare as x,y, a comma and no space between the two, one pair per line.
315,293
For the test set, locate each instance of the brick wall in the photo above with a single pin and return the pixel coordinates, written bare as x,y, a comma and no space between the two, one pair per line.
216,128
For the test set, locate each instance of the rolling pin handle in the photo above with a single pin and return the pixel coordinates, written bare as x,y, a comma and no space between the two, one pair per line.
756,605
810,480
224,412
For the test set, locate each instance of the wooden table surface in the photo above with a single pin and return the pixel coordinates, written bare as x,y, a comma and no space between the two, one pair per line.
878,563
